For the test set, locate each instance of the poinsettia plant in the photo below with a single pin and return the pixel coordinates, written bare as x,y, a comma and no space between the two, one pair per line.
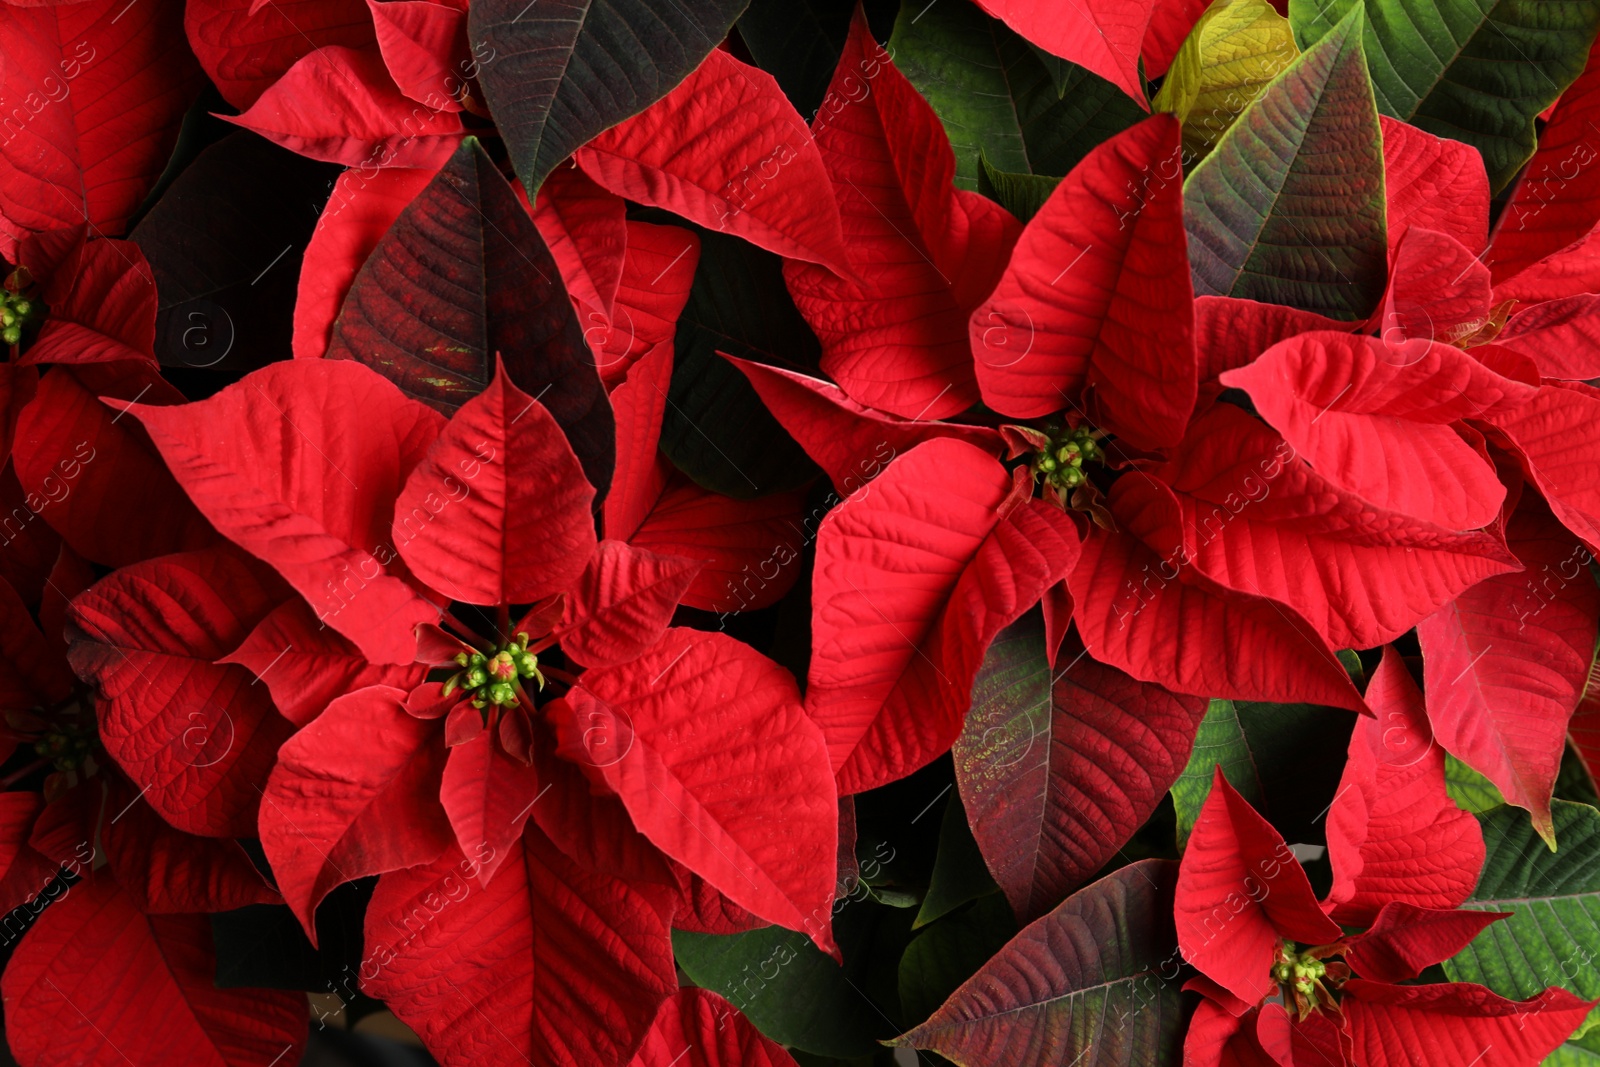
846,533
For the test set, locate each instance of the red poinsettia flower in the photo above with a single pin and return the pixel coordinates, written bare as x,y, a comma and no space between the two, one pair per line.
578,804
1282,978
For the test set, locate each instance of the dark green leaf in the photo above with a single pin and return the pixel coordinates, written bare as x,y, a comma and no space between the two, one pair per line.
225,242
1553,935
797,42
1220,741
959,875
715,427
1289,206
1021,194
796,995
558,72
1472,70
1299,753
995,95
462,277
948,952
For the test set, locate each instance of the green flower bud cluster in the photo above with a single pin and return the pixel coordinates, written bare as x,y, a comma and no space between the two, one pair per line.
16,310
68,746
1300,971
492,679
1061,463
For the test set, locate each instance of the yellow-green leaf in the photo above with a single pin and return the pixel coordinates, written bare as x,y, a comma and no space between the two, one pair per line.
1236,48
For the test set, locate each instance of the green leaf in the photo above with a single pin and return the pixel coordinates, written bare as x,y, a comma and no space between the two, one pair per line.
798,42
1572,1054
557,72
796,995
1299,752
715,428
948,952
1289,206
1221,740
1470,790
1021,194
1553,935
959,874
1230,56
1477,71
996,96
1088,984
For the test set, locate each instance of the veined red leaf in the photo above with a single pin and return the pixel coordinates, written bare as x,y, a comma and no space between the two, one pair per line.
277,473
639,402
587,231
1394,834
925,253
726,150
888,562
95,95
1231,332
92,473
720,767
1438,290
339,104
1433,182
1029,550
697,1028
657,274
1132,603
749,549
590,826
850,441
1240,891
1402,940
424,47
549,966
198,735
1097,296
1057,773
246,45
487,795
1505,663
1410,1026
1248,514
1376,422
1170,23
362,208
1572,271
1080,985
96,984
621,603
1561,336
354,793
166,871
460,279
1557,197
498,511
305,666
102,306
1103,35
1554,434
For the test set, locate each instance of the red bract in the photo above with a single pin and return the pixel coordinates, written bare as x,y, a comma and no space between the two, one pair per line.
1402,854
492,508
921,253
